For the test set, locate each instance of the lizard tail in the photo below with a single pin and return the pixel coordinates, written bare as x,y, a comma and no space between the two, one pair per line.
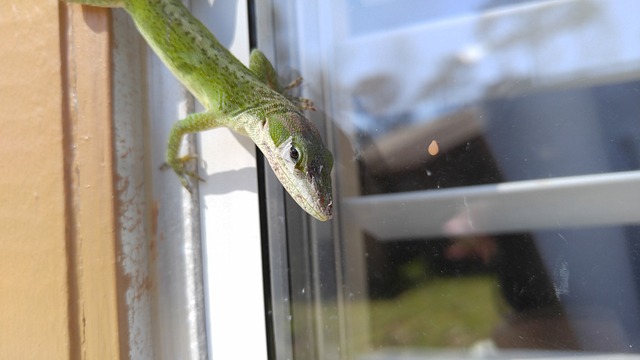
100,3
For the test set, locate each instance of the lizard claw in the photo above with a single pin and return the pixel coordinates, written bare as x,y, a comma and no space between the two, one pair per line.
304,104
179,166
295,83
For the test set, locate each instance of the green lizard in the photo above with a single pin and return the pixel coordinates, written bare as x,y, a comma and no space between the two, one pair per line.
249,101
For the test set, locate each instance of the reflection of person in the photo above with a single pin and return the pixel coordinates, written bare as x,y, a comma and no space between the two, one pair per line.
473,247
536,320
588,269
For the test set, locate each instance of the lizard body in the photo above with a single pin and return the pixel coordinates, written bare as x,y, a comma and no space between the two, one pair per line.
249,101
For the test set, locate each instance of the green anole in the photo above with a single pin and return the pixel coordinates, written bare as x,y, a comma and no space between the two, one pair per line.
249,101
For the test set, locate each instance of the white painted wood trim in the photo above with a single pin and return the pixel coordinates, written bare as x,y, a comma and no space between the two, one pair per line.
230,214
193,262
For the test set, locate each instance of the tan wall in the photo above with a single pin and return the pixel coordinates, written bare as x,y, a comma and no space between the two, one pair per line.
58,272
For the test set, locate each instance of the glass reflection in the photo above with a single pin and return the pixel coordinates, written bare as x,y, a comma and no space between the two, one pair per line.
519,228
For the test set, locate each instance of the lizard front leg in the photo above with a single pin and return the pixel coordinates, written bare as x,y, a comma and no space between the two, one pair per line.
191,124
263,69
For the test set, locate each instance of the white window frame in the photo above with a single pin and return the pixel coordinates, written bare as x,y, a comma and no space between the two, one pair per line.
193,261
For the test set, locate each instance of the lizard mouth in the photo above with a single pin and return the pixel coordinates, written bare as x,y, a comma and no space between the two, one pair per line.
325,209
324,201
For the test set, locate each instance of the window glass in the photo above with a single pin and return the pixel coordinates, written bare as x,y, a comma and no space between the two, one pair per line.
487,183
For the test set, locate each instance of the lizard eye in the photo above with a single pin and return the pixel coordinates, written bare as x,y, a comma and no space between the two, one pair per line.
294,154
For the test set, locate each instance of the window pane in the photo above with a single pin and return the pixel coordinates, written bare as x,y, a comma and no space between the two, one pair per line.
487,178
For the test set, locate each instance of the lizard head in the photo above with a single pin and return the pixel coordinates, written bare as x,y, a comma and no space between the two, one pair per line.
301,162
